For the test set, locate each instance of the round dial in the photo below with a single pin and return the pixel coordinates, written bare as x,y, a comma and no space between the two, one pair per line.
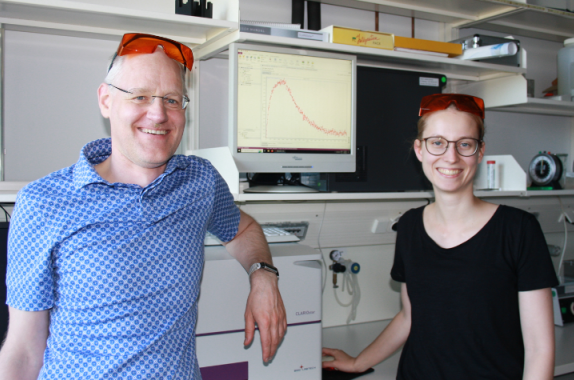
545,168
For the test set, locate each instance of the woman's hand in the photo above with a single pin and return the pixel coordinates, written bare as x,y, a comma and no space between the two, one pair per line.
342,362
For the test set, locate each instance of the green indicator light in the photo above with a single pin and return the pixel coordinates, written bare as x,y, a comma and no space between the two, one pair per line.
563,310
443,79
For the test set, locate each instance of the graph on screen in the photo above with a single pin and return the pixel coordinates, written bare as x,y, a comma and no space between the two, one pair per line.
285,118
290,102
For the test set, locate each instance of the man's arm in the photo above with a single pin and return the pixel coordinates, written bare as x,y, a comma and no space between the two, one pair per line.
264,305
22,353
537,323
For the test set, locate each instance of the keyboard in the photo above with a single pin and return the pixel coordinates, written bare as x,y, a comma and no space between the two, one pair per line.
272,234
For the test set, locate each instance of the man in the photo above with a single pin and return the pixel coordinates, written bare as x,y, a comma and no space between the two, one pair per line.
105,256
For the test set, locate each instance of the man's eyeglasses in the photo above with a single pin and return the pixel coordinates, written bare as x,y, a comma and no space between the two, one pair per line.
465,103
438,146
174,102
139,43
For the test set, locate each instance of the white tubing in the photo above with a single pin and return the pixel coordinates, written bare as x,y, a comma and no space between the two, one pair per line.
351,281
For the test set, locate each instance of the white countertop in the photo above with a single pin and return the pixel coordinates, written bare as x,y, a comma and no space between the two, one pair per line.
354,338
9,190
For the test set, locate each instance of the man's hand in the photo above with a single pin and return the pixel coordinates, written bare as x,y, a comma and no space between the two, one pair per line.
265,307
264,304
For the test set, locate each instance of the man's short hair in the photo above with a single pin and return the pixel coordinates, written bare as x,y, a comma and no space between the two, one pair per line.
116,69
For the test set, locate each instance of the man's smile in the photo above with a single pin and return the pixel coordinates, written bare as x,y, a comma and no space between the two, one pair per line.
155,131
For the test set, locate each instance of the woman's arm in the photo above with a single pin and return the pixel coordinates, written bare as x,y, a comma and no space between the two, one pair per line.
390,340
537,320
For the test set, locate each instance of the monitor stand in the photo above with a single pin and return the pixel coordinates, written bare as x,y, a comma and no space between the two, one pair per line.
277,183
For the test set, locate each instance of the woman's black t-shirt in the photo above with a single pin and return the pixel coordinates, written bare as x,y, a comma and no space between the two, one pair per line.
465,316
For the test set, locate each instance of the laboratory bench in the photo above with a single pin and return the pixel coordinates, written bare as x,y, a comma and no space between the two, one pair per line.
354,338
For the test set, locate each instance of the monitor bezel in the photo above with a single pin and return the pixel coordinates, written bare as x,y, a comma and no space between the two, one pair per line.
288,162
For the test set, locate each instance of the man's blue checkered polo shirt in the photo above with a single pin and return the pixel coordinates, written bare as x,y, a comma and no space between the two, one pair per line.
118,265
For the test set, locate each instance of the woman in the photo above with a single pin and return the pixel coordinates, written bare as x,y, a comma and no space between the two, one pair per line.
476,277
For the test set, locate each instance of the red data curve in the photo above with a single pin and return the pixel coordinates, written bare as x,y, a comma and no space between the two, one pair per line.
326,131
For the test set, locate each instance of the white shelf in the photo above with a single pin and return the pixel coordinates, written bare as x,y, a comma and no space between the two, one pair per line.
506,16
450,67
530,21
65,17
509,94
540,106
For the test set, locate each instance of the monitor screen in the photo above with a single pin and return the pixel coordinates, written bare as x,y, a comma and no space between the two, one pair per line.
292,110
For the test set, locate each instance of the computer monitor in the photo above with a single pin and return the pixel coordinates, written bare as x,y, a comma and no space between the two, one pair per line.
292,110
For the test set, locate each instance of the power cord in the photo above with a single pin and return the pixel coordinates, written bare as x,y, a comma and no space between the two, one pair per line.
566,219
6,213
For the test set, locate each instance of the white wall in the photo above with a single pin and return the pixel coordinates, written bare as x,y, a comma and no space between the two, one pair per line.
50,102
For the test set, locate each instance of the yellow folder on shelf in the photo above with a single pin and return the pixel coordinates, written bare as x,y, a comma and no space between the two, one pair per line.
427,45
356,37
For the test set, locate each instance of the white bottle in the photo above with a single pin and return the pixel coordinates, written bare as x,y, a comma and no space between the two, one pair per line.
566,70
490,174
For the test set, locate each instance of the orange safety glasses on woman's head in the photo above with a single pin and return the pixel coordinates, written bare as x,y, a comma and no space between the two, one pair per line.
139,43
465,103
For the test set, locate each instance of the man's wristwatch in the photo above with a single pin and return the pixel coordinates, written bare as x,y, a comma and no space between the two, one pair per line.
265,266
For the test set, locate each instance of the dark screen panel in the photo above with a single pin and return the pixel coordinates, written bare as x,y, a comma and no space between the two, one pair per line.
387,114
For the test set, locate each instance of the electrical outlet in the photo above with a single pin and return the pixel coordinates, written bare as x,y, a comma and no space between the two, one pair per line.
563,215
380,225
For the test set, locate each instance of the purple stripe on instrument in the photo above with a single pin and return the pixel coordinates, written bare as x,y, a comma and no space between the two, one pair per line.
233,371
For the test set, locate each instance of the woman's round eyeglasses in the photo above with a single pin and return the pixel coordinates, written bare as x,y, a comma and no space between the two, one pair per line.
438,146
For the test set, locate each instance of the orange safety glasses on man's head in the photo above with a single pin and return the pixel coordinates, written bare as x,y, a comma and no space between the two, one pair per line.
139,43
465,103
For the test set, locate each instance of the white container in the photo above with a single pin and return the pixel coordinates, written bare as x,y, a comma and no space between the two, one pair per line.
490,174
566,70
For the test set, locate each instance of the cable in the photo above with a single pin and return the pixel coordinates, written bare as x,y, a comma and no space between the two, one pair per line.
352,282
321,250
339,301
6,214
565,217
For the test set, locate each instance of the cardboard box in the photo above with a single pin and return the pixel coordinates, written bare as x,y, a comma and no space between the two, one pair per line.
356,37
452,49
